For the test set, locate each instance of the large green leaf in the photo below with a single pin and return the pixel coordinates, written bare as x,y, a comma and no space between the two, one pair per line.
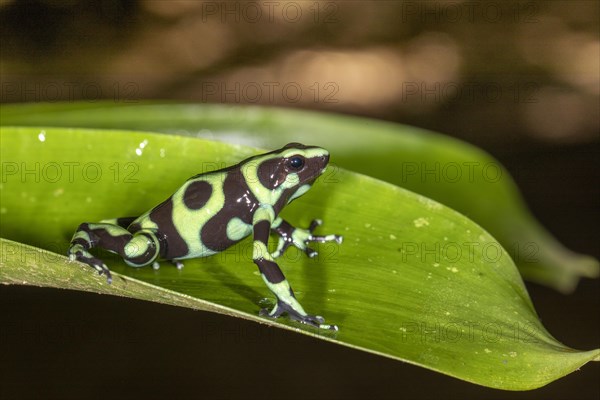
447,170
413,280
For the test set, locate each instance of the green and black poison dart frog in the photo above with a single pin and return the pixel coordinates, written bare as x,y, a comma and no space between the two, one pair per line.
213,211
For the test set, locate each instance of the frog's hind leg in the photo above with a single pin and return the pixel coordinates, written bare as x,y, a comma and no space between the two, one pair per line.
138,249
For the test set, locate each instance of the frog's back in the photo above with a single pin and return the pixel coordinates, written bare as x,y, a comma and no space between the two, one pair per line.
196,221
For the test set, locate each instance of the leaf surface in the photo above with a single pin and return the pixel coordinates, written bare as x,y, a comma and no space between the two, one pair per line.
413,280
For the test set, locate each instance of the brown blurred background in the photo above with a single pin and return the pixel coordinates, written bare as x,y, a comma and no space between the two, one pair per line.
519,79
494,73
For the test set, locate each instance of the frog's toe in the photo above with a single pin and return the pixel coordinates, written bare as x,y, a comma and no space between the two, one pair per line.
313,320
314,224
86,258
310,252
276,254
274,313
102,269
318,322
106,272
325,238
178,264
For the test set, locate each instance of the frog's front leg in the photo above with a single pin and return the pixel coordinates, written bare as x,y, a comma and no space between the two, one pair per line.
290,235
274,278
138,249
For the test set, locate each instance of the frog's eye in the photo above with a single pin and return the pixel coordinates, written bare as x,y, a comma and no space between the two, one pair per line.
296,162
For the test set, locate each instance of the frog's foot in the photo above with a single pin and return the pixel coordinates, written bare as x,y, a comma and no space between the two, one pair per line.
300,238
313,320
177,264
78,253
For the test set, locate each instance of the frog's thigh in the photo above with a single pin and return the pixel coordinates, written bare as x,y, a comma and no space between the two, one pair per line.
142,249
136,249
103,235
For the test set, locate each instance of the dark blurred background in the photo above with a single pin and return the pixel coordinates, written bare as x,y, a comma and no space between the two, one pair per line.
518,79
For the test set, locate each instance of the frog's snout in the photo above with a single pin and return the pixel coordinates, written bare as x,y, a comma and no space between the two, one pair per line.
324,161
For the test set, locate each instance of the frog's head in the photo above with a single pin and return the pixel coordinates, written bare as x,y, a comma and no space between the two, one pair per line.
291,167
